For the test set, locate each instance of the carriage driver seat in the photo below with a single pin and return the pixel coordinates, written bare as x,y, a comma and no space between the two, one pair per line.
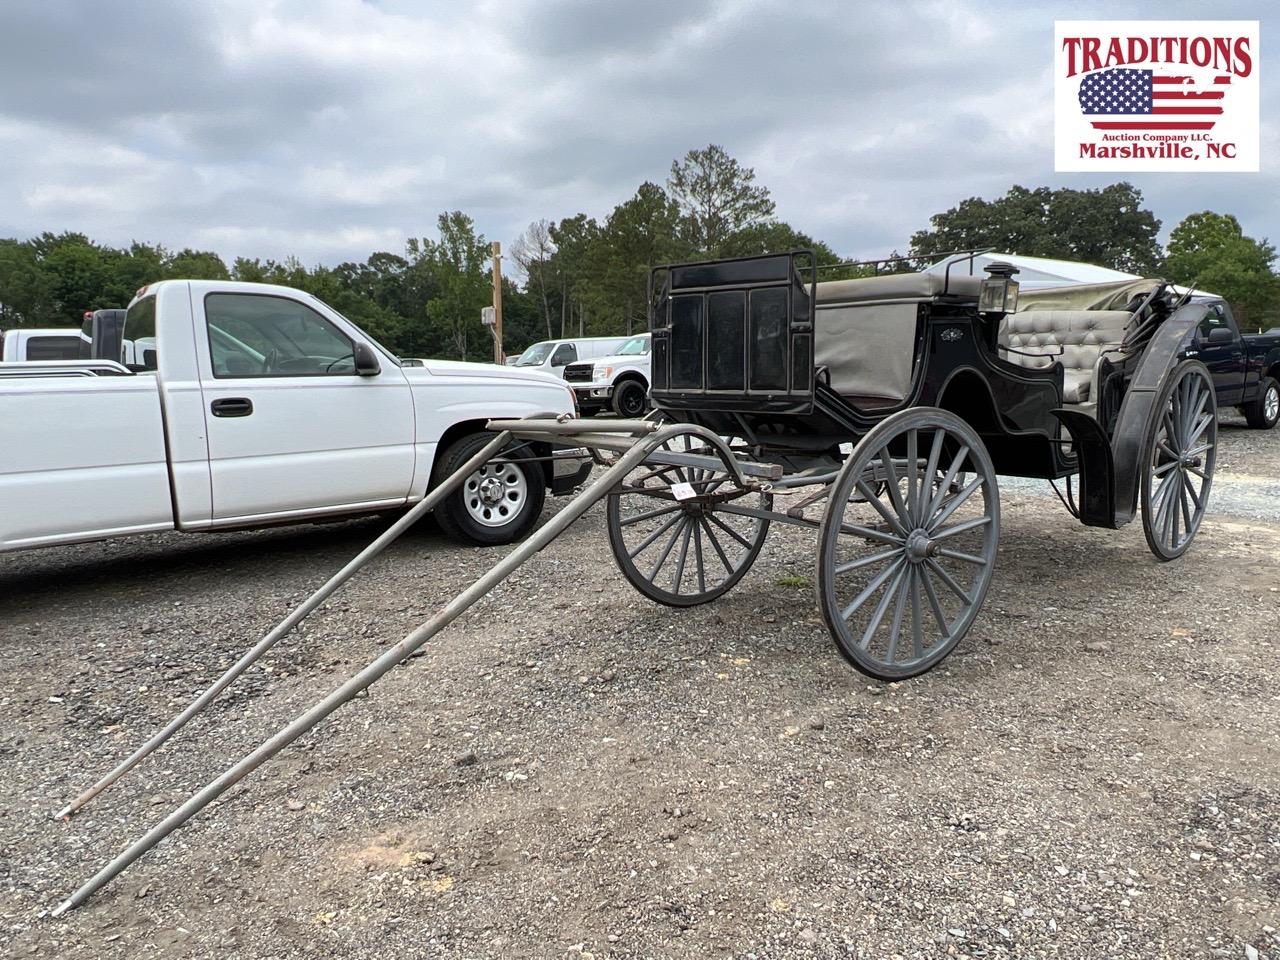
1078,339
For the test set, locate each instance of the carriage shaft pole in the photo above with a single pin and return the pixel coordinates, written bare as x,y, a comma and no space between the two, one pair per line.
429,502
374,671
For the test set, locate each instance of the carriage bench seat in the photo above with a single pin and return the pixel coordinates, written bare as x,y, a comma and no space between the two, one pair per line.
1077,339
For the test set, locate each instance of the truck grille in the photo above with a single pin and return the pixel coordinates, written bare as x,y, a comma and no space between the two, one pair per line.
578,372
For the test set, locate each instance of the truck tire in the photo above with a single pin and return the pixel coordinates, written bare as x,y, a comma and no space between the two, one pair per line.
630,399
497,504
1264,412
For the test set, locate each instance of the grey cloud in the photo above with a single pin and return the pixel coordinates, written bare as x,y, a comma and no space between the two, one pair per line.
323,128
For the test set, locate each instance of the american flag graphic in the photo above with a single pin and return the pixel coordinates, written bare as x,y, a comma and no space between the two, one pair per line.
1146,100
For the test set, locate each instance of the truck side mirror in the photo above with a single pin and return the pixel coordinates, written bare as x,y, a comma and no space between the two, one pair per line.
1221,335
366,360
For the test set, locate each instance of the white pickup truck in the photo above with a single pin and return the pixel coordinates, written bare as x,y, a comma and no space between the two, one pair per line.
258,405
619,381
55,343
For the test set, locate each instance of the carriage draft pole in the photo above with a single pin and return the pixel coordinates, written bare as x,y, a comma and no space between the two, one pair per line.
649,436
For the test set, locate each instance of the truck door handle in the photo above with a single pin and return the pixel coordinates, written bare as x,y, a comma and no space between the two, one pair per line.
231,407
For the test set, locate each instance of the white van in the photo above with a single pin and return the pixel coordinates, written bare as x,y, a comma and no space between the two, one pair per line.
45,344
552,356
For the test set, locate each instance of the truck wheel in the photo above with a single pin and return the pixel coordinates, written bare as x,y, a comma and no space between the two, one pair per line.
497,504
630,399
1264,413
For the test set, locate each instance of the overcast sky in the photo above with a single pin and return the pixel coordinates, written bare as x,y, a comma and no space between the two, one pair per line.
332,128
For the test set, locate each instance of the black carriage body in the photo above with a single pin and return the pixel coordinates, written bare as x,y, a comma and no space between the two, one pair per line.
735,342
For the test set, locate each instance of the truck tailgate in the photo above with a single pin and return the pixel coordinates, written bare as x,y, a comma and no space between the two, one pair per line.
80,459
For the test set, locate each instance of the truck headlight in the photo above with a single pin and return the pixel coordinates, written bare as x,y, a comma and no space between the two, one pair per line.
602,373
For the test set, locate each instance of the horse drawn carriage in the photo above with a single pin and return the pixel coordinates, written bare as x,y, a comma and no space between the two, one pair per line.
880,411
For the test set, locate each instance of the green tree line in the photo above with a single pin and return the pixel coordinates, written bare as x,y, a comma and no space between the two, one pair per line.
580,276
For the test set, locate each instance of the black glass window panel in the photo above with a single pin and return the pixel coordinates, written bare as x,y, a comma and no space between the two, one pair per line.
727,341
686,343
769,333
659,369
801,364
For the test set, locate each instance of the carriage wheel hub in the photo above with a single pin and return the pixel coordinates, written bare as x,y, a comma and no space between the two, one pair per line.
920,547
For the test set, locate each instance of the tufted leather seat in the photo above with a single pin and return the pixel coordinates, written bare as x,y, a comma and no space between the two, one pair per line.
1082,336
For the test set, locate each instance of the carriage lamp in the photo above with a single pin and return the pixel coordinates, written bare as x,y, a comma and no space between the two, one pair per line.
999,293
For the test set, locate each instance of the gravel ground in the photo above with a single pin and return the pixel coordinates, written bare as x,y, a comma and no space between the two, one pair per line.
571,771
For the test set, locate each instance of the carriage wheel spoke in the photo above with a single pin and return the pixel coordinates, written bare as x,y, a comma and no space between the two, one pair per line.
876,583
930,471
955,503
698,558
1191,489
963,557
1165,467
956,464
913,475
868,560
917,615
867,533
864,488
666,552
1186,509
891,485
877,615
683,557
958,528
729,530
647,542
1170,514
715,544
934,603
649,515
899,606
946,578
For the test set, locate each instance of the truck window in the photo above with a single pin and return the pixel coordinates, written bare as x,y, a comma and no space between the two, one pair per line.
260,335
140,327
565,353
1216,317
53,348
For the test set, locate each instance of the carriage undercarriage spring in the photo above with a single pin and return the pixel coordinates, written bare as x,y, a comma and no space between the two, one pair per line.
879,412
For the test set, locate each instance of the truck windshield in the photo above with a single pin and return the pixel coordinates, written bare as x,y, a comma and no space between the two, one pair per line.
535,355
635,347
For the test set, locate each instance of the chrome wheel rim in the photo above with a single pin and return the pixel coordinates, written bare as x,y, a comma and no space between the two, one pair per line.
1271,405
496,493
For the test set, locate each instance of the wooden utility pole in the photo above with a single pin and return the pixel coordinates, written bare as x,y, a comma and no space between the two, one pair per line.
497,302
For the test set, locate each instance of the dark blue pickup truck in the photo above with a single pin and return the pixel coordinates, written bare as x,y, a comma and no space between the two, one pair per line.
1246,369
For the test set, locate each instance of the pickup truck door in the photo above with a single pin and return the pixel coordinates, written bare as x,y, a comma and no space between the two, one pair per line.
293,430
1219,347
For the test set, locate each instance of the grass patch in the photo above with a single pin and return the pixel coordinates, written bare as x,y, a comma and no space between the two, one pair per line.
794,580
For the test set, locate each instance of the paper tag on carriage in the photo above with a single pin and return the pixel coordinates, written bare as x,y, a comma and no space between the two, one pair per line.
683,491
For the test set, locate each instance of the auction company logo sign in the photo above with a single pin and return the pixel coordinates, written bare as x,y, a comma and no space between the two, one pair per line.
1156,95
